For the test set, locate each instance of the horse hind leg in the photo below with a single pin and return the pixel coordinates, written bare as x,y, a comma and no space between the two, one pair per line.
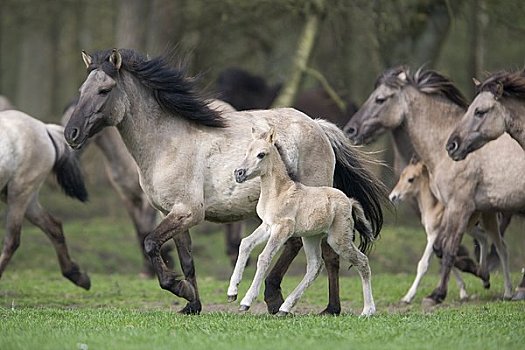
331,261
314,265
53,230
233,235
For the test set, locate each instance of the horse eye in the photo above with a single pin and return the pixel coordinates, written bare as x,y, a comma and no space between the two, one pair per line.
261,155
380,100
104,91
410,180
480,113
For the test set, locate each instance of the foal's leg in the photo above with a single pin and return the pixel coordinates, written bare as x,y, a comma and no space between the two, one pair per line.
258,236
461,284
273,296
314,265
53,230
491,225
520,289
176,222
278,236
422,267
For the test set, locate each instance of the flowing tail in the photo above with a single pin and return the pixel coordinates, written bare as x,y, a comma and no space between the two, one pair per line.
351,177
362,226
67,167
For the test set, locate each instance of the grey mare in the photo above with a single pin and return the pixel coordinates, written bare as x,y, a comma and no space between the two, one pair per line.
186,153
427,106
122,172
29,151
498,108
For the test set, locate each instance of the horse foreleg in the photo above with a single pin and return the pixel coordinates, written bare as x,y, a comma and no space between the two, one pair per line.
449,241
183,244
53,230
258,236
279,234
273,296
331,261
422,268
314,265
520,290
491,225
233,235
176,222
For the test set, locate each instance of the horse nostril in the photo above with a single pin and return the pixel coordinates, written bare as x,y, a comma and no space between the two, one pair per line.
393,198
351,131
73,134
452,146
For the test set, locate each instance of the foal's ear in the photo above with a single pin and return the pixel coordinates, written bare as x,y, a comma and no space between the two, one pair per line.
254,134
86,58
402,76
116,58
270,136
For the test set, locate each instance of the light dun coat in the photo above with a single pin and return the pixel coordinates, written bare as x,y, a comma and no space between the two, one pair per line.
414,182
29,151
287,209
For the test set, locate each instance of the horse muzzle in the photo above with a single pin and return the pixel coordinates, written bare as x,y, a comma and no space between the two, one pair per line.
240,175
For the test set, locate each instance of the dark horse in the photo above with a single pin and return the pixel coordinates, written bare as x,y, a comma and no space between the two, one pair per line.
245,91
186,153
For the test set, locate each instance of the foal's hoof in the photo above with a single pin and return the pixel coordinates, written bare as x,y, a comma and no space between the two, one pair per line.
519,295
283,314
192,308
244,308
232,298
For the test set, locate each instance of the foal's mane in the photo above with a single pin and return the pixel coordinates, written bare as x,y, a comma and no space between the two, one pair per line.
503,83
173,90
424,80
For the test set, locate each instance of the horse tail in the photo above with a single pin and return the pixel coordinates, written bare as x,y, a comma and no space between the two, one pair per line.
362,226
351,177
67,166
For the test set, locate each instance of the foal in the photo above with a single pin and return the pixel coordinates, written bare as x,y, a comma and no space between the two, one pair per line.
414,182
288,209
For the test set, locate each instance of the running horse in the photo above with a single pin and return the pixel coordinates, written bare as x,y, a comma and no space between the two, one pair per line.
186,153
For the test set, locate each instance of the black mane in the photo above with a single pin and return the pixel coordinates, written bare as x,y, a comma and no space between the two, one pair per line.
511,84
173,90
426,81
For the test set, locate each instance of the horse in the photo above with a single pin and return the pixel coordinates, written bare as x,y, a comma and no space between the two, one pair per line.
428,101
184,151
121,170
29,151
245,91
414,182
497,108
288,208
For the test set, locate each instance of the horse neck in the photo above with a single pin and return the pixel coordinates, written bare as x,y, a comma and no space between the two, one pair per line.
147,129
515,120
276,179
429,121
403,149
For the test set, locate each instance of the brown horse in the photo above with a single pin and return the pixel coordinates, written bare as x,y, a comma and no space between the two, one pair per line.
427,106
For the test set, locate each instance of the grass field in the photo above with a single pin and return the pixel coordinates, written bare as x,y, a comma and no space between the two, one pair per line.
41,310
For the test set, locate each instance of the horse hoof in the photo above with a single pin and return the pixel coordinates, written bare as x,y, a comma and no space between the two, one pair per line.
282,314
244,308
232,298
404,302
84,281
192,308
520,295
428,303
486,284
273,298
331,311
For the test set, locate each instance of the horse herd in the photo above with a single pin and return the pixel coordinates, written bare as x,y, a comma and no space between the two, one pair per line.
169,150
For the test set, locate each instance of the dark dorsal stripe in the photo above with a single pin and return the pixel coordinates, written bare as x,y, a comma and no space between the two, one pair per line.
173,90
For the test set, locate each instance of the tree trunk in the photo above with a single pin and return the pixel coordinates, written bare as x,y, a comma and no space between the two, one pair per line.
478,22
302,55
131,24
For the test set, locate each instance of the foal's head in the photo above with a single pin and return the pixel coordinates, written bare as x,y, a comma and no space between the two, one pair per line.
409,181
257,161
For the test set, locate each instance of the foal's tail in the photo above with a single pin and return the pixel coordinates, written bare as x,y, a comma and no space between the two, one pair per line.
67,167
362,226
351,177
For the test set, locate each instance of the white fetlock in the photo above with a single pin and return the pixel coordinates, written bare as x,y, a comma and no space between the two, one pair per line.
369,311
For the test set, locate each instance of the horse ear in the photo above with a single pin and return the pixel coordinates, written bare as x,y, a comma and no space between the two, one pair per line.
476,82
116,58
499,90
254,133
402,76
270,136
414,160
86,58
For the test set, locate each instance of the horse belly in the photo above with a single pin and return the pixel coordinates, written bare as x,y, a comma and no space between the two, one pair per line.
231,203
313,218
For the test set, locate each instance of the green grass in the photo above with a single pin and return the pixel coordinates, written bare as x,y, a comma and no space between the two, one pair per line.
40,309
